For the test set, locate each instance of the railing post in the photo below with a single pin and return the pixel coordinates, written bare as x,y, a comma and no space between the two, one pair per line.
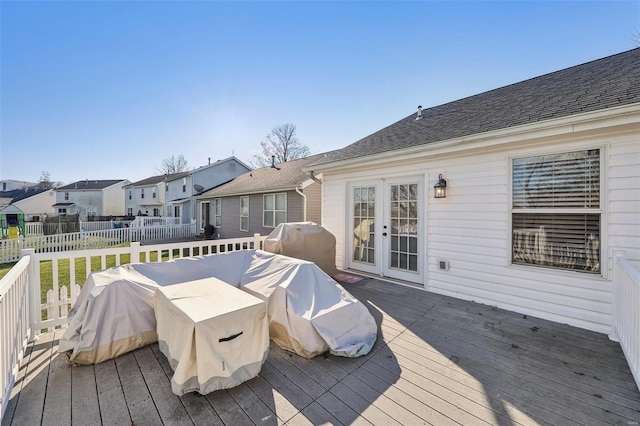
135,252
33,285
256,242
616,295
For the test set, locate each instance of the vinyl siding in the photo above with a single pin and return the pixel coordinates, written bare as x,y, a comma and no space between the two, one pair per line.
471,229
314,203
231,215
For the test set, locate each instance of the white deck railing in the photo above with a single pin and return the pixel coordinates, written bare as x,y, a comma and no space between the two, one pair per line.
50,309
24,313
14,326
626,311
10,249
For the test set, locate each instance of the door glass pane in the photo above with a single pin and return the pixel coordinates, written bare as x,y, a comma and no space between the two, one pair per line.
363,224
403,212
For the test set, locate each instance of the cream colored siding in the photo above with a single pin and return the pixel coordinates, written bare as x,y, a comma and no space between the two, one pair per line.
314,207
333,213
471,228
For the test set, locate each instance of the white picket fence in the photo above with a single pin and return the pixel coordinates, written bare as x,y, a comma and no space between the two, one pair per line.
626,311
104,225
33,228
10,249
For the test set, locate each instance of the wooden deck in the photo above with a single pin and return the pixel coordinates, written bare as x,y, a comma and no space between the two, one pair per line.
438,360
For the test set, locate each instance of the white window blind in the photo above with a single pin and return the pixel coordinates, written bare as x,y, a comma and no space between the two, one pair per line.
556,215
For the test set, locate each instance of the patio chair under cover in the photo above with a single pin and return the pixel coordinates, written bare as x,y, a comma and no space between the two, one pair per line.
309,313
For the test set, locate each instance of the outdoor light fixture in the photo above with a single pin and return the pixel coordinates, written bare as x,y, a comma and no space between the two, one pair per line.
440,188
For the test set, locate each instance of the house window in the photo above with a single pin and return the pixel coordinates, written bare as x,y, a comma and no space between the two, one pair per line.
129,211
129,194
217,204
154,193
556,211
156,211
62,211
184,184
274,211
91,211
141,192
166,187
244,213
176,211
66,196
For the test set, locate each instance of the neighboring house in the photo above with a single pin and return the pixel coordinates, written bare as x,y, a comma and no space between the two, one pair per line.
182,187
147,196
258,201
91,198
33,203
10,184
542,187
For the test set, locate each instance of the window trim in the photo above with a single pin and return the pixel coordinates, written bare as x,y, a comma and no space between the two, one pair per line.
217,202
604,272
248,215
274,208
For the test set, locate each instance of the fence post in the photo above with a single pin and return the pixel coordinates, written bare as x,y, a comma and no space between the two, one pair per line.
33,293
135,252
256,242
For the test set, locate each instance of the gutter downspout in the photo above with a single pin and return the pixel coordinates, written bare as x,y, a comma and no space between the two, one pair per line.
314,178
304,204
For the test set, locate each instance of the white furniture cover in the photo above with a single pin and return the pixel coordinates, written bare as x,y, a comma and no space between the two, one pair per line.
306,241
308,311
215,336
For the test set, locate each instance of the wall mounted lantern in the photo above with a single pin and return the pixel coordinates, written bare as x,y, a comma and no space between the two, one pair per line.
440,188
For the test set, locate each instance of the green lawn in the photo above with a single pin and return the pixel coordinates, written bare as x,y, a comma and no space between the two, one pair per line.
64,270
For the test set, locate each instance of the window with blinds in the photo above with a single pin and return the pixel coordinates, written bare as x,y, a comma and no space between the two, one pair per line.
556,215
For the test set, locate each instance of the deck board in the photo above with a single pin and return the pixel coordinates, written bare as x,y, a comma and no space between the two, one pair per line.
438,360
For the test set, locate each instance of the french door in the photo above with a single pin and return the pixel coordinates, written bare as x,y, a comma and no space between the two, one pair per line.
387,226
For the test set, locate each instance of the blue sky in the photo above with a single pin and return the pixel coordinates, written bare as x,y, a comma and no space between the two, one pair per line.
105,90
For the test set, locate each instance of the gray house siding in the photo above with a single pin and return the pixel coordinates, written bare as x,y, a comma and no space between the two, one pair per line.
231,215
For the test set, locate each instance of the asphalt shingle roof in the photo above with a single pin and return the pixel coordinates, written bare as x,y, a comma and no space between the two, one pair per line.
90,184
604,83
21,194
157,179
265,179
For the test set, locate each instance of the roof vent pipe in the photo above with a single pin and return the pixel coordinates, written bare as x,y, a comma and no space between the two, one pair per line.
419,116
209,160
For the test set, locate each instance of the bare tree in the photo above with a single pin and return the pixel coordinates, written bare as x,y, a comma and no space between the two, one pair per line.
45,181
635,38
173,164
282,144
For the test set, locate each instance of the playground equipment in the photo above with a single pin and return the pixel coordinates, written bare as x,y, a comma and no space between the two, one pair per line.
11,222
